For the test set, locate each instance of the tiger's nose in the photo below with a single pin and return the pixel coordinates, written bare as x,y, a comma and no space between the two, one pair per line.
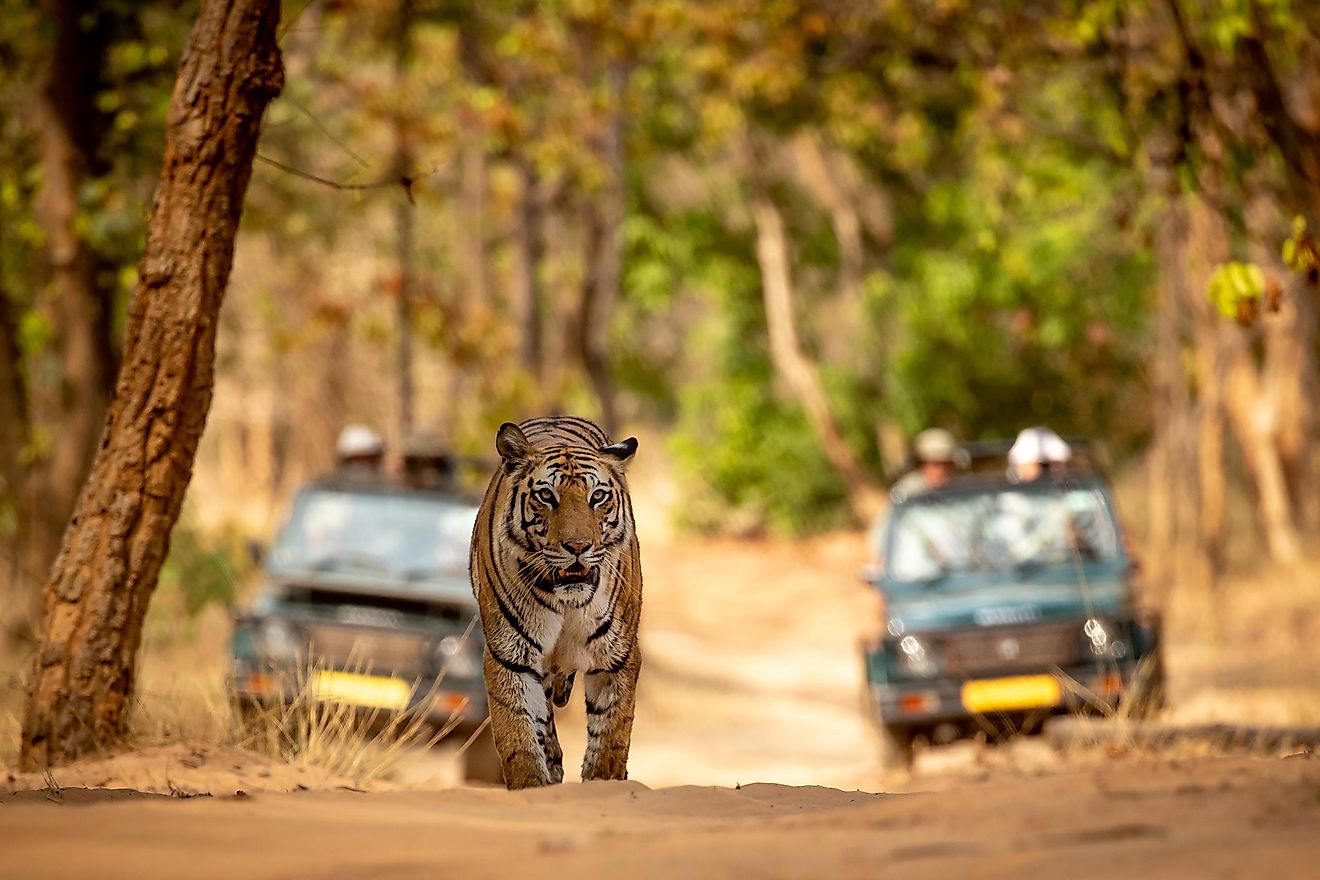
577,548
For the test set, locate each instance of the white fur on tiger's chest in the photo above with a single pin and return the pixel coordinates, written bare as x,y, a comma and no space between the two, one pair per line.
571,652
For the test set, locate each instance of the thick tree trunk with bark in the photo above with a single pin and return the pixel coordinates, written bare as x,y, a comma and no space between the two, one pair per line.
98,592
791,363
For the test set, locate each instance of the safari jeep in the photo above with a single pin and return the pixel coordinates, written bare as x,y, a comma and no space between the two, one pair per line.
1004,603
367,602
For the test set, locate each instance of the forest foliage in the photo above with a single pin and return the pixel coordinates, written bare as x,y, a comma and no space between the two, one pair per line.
978,201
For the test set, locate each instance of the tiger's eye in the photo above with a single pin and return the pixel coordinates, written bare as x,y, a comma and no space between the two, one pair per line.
545,496
600,496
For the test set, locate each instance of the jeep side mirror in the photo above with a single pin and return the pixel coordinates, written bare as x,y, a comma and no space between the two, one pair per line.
256,552
871,572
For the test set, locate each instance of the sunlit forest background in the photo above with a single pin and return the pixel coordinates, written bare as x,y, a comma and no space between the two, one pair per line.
777,239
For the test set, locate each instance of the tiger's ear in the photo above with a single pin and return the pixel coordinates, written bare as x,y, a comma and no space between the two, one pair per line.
622,452
512,445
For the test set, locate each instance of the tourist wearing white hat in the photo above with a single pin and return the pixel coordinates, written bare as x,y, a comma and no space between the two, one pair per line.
1035,452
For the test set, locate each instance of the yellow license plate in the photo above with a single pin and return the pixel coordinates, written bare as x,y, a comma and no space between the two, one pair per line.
374,691
1019,692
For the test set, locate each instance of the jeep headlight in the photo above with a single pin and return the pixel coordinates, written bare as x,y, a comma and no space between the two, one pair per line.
916,658
457,655
1103,638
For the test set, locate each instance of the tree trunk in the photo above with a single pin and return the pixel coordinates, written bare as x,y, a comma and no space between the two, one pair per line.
602,235
793,366
527,273
1169,472
98,591
1255,422
821,183
17,589
71,127
405,228
13,405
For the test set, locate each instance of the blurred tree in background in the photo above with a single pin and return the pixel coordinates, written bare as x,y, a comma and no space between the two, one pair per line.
788,234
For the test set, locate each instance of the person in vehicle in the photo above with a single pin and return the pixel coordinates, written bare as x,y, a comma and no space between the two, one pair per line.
1035,453
936,454
428,464
1038,453
359,453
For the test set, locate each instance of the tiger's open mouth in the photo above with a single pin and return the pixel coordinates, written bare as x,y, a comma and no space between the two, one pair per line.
579,574
575,577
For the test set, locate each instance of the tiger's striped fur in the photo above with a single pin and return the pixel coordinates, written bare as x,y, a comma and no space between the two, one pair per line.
557,573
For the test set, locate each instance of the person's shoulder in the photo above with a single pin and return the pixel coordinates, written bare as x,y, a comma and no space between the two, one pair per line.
911,483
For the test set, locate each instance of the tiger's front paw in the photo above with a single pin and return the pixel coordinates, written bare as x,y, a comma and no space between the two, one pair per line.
525,772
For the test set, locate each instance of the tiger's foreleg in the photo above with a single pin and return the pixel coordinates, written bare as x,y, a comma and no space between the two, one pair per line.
519,720
611,697
554,754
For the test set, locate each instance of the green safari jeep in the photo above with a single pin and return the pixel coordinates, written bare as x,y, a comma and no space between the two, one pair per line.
1004,603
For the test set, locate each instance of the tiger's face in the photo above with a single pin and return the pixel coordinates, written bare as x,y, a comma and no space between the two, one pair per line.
568,512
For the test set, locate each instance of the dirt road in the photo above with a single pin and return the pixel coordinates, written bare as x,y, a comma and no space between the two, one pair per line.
1209,818
751,676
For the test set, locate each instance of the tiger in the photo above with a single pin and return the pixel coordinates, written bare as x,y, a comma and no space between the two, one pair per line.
557,574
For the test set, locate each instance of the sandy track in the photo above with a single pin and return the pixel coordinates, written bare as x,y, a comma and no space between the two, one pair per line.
752,675
1205,818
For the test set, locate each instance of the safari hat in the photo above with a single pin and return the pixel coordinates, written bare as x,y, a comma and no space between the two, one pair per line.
1039,445
357,441
935,444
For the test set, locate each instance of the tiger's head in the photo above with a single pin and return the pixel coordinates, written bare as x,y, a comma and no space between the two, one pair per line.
568,511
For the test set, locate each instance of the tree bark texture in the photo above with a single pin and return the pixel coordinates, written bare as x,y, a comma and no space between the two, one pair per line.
98,591
791,363
79,305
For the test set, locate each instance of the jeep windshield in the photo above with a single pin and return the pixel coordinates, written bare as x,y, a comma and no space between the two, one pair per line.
1011,532
395,536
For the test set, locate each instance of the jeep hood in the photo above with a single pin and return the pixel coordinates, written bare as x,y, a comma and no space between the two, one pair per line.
456,589
941,607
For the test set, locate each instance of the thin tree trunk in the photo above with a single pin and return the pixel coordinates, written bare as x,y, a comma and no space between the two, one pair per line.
17,589
1205,246
71,128
1170,398
97,596
13,405
405,229
603,261
793,366
1254,420
1230,381
1210,480
821,183
527,274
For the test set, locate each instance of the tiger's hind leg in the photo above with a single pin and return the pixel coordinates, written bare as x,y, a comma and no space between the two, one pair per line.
611,697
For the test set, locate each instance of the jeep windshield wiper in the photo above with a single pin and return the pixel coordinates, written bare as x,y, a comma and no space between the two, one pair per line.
350,562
